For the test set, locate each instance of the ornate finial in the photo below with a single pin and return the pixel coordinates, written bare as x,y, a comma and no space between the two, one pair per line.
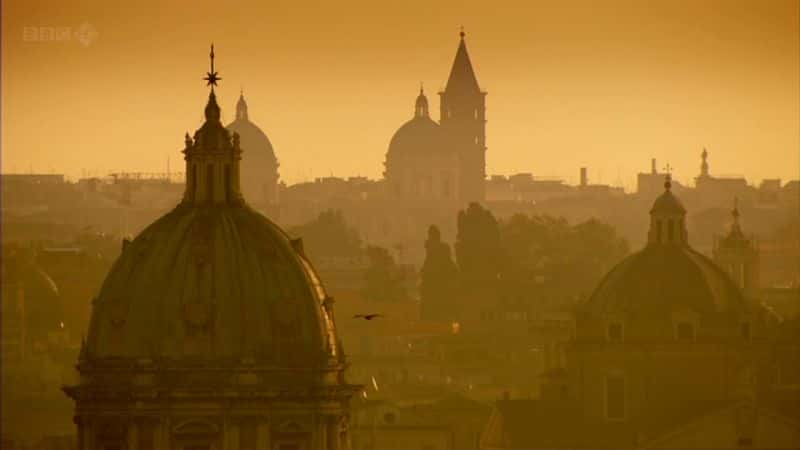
704,155
735,212
187,140
462,34
212,77
421,88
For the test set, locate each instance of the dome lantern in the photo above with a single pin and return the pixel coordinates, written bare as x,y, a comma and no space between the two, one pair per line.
667,218
212,157
421,105
241,107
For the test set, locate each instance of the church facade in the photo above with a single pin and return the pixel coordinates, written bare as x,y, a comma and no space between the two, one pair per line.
444,161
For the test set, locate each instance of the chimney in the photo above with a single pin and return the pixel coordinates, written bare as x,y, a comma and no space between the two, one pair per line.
584,177
653,166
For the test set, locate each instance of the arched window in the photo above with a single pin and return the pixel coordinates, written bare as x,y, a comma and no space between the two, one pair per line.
658,231
670,230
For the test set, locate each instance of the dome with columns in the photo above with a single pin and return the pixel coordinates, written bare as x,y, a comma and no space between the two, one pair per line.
212,330
213,278
667,275
420,135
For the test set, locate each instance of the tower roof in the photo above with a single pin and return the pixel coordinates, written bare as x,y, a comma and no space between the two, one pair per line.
735,237
462,75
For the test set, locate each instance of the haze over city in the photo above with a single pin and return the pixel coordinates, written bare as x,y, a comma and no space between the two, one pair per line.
606,85
368,226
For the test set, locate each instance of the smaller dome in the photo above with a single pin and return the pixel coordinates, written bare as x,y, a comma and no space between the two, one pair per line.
667,203
418,135
661,278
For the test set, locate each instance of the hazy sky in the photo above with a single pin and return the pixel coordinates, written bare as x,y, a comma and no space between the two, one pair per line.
603,84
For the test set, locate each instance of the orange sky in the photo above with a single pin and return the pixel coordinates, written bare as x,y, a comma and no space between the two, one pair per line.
604,84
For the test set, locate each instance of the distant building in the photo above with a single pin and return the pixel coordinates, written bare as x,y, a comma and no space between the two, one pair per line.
259,177
452,422
720,190
666,354
212,330
737,254
444,161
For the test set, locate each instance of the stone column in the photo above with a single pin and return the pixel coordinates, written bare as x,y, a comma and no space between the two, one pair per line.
88,433
318,439
332,432
133,435
230,435
79,425
263,435
161,434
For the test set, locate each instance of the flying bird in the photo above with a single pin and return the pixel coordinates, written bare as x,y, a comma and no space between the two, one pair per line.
367,316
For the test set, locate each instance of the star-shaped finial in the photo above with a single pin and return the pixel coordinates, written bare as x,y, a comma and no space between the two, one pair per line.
211,76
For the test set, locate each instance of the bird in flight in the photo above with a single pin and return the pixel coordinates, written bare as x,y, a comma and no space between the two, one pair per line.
367,316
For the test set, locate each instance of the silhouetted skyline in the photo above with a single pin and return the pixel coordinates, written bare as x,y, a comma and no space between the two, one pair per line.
604,86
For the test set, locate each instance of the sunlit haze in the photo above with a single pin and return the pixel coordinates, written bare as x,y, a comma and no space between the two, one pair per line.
607,85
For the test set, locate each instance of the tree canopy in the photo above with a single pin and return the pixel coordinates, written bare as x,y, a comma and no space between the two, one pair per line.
329,235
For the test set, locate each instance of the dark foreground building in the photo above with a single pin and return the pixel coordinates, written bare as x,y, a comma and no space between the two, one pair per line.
212,331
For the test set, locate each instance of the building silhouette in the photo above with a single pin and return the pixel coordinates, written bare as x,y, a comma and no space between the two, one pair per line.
666,353
212,330
737,254
444,161
259,168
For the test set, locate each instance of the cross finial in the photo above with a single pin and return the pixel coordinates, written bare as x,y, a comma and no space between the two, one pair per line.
668,177
211,76
735,211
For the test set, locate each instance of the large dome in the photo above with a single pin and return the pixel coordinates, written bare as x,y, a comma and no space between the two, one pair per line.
213,279
660,279
219,283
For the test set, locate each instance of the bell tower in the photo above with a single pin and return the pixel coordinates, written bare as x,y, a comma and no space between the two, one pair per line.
463,120
737,254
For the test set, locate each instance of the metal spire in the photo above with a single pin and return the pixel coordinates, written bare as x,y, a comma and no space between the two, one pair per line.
212,77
